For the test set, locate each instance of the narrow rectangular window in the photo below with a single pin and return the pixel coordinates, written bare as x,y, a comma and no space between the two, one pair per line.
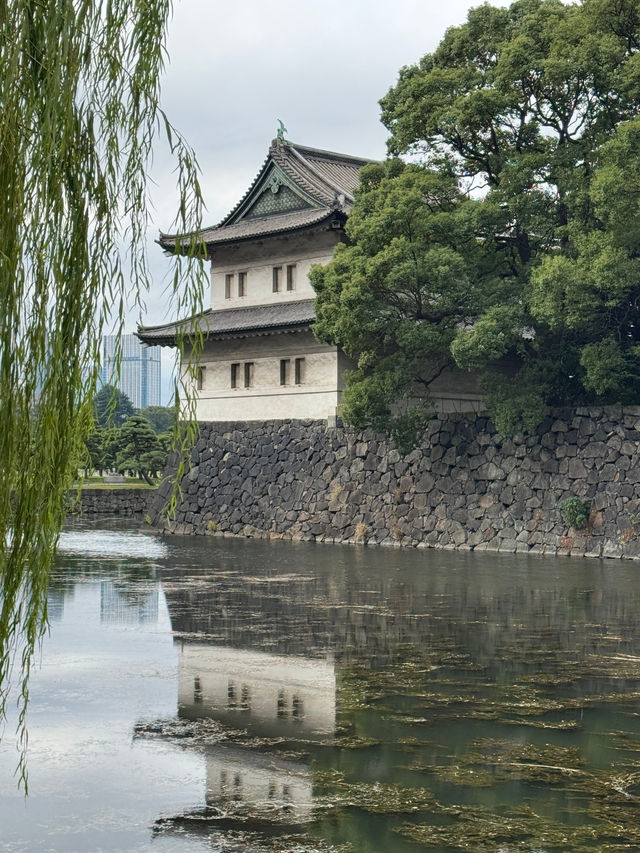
282,710
297,708
285,370
201,377
291,277
197,691
235,375
228,285
242,284
299,371
248,374
277,277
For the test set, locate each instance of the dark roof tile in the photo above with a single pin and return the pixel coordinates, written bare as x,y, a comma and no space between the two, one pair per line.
263,225
232,322
328,178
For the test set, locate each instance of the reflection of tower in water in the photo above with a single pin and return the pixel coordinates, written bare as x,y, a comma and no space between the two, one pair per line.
281,696
267,785
55,605
270,695
248,660
257,651
121,605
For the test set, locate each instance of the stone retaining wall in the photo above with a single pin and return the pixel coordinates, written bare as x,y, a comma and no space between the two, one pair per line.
112,501
466,488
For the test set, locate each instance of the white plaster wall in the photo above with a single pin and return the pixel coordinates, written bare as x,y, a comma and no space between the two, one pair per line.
259,287
258,258
265,676
316,398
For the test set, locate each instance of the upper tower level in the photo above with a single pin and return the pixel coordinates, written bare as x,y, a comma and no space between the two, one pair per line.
289,219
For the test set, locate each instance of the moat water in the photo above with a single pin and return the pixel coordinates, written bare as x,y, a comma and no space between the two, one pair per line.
208,694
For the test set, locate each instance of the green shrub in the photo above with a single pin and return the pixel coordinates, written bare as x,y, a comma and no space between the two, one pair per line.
575,511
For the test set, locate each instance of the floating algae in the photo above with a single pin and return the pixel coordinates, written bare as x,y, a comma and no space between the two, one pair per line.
473,711
484,831
491,761
334,791
559,725
233,840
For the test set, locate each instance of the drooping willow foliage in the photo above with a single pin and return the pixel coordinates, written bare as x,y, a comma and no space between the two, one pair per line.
79,113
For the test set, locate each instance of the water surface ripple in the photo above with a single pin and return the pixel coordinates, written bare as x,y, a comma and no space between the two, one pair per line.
233,695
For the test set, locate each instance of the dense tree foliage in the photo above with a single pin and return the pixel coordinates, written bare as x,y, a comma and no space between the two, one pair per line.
162,418
529,114
111,407
99,449
137,449
79,113
133,448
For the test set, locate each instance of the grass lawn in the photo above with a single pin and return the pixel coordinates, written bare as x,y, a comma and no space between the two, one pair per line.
97,483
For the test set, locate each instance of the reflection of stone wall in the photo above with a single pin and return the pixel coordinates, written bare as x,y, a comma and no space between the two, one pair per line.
503,614
111,501
120,605
466,488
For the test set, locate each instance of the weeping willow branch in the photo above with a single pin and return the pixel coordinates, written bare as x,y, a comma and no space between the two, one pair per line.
79,114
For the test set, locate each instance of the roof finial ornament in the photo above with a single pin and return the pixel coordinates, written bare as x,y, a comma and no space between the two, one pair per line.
281,132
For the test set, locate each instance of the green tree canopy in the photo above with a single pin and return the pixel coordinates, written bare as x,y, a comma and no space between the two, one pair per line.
137,448
98,444
395,297
162,418
532,112
111,406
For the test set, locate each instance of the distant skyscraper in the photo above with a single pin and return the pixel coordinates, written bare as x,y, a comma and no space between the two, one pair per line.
139,371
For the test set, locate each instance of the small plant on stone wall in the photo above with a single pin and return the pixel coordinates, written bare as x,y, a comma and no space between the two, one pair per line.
212,526
575,511
628,534
362,530
336,492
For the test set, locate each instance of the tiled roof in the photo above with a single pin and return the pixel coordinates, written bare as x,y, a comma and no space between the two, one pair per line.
340,169
248,228
233,322
326,179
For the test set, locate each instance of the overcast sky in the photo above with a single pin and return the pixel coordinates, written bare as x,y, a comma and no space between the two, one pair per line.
321,67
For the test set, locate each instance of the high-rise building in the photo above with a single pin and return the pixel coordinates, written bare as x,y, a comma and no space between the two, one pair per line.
139,375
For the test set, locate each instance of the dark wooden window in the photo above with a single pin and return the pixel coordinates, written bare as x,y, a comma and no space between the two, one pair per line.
297,708
285,371
197,691
202,371
282,709
228,285
299,371
245,698
276,279
291,277
235,375
248,374
242,284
